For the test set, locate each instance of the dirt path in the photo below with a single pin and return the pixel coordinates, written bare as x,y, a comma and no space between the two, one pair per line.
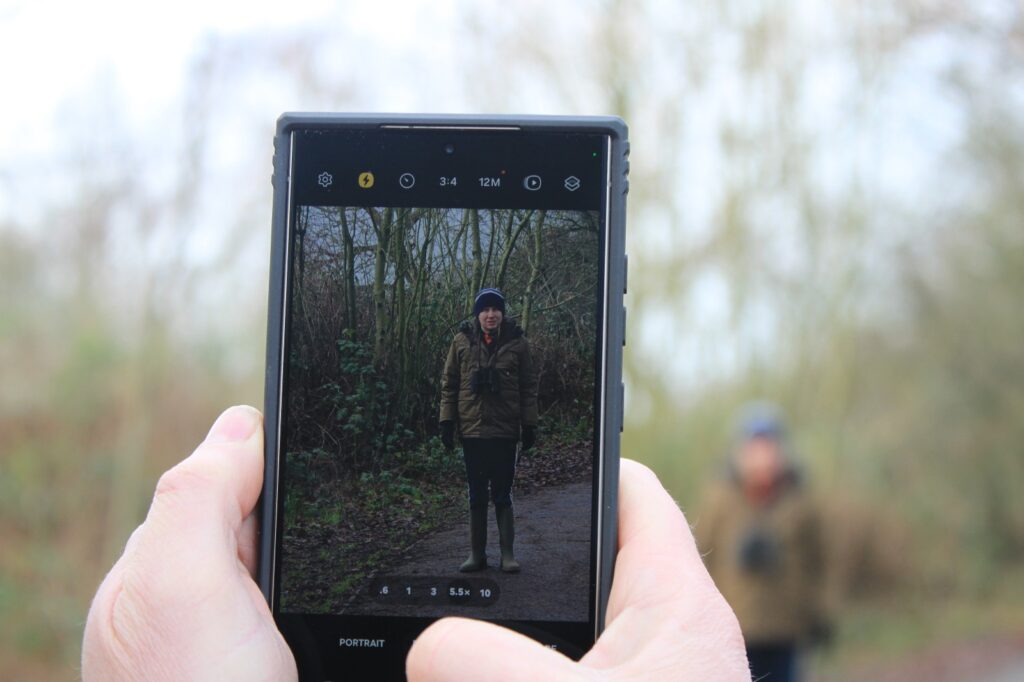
552,544
1010,672
995,659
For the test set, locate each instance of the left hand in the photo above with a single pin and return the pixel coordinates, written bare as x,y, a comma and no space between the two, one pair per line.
529,437
181,602
821,634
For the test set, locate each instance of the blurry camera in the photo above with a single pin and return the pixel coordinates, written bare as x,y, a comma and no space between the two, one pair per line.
485,380
759,552
449,148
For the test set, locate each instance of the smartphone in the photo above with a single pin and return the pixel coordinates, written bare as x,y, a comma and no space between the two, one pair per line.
443,384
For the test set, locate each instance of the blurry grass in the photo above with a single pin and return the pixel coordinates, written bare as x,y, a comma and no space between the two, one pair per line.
79,457
880,631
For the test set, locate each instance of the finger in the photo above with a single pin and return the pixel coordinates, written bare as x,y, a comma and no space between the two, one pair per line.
198,510
456,649
180,604
99,651
248,551
656,546
133,541
662,593
647,511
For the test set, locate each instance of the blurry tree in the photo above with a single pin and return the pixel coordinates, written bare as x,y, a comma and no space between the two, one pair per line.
108,376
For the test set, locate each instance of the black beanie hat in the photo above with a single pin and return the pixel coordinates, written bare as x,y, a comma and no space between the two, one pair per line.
488,298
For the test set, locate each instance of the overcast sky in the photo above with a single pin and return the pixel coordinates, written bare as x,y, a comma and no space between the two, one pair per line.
69,67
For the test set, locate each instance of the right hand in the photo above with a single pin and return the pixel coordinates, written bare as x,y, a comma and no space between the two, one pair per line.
666,618
821,634
448,435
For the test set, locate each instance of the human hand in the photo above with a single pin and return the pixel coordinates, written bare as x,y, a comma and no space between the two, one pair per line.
448,435
181,603
821,634
666,619
529,437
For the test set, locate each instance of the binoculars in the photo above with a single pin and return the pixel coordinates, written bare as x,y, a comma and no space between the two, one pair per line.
759,552
485,380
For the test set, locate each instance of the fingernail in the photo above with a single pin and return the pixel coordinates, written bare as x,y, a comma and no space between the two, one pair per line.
234,425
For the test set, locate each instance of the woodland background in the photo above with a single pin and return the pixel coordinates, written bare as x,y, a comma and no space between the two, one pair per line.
825,211
378,296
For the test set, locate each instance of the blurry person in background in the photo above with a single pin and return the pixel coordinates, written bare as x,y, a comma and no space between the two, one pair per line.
763,547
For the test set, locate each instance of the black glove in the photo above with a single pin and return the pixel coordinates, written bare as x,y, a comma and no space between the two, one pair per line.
529,437
448,435
821,634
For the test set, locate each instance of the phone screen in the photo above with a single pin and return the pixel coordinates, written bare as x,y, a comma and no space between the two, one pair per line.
441,388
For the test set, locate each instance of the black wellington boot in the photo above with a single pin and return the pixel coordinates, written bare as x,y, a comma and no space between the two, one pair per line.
477,560
507,535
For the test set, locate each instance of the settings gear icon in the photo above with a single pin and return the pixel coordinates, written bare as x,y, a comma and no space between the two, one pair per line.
325,179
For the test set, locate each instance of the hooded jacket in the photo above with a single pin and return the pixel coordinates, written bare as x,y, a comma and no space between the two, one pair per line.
487,414
768,561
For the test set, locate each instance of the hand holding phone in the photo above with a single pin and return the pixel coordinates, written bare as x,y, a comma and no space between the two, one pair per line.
182,603
174,604
387,232
666,618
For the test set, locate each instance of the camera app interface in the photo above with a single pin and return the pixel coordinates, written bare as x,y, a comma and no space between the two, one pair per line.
441,390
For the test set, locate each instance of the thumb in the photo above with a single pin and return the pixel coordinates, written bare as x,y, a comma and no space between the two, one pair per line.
180,604
200,504
457,649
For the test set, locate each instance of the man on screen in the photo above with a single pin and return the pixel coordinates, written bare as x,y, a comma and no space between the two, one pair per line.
489,391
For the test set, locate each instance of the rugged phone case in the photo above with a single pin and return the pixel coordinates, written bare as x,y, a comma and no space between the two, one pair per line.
616,129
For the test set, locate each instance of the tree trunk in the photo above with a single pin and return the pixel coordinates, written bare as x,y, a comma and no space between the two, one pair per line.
382,226
485,275
477,257
535,267
510,244
401,311
350,273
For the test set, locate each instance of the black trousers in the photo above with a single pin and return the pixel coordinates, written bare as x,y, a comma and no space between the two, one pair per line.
490,463
773,662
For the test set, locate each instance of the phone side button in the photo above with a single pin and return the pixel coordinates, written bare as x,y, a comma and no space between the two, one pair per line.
623,325
625,274
273,163
622,407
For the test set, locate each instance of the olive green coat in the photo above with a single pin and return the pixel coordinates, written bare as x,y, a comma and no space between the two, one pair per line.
785,604
490,415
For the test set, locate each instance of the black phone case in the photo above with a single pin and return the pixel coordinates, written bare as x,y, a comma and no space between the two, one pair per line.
616,129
